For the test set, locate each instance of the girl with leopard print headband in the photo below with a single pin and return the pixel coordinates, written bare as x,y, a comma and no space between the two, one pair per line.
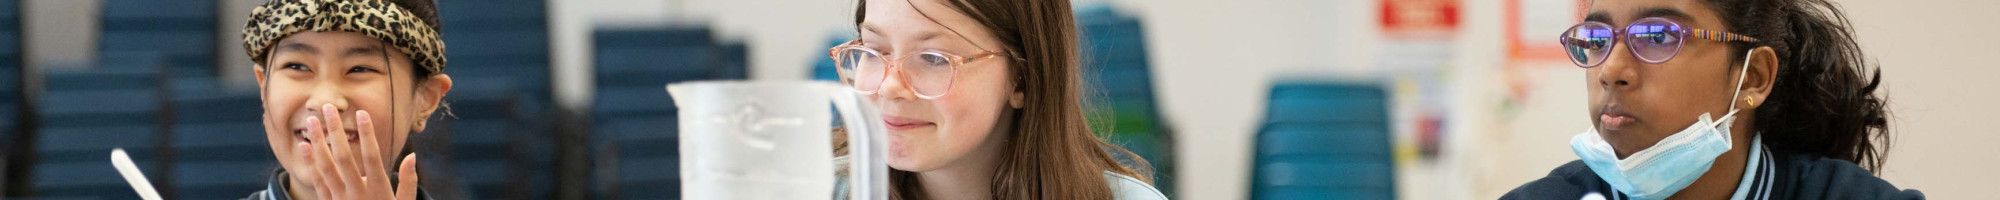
344,84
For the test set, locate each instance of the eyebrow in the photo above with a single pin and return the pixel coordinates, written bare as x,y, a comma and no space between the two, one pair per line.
924,36
870,28
370,50
295,46
1671,13
1665,12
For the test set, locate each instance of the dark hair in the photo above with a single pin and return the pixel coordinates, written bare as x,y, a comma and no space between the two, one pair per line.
1822,102
1052,154
424,9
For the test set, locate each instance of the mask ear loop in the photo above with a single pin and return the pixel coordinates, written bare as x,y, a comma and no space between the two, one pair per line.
1737,91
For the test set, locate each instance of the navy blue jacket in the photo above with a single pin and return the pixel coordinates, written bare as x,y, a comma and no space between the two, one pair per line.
1795,176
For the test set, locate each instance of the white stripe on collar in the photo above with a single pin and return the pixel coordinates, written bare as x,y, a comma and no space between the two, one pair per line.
1755,182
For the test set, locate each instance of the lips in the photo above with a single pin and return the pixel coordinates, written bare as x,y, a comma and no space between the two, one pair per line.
300,135
1613,118
905,124
1614,122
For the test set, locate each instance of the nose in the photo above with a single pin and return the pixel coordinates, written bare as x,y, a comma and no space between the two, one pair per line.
322,96
894,86
1617,72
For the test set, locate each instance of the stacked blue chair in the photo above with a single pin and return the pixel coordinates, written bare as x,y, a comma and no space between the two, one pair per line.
1120,79
10,69
86,112
184,32
1324,140
732,61
497,157
823,68
501,65
633,120
13,102
503,40
219,145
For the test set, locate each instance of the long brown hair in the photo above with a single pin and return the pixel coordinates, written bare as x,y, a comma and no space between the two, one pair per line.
1053,154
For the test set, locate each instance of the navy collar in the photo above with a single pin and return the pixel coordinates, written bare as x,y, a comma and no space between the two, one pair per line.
1757,174
276,189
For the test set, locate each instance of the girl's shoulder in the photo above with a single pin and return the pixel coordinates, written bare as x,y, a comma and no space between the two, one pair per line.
1809,176
1128,188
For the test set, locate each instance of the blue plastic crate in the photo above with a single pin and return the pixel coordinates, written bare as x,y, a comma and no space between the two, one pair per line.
159,9
633,100
526,41
453,12
678,59
182,32
651,38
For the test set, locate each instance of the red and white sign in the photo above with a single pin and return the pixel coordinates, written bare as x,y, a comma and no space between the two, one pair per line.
1420,19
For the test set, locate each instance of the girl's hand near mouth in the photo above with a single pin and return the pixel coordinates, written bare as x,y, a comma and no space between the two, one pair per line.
353,168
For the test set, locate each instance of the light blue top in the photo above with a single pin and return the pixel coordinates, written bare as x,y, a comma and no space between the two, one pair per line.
1756,181
1127,188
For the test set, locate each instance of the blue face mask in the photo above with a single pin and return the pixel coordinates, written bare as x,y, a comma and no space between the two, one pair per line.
1671,164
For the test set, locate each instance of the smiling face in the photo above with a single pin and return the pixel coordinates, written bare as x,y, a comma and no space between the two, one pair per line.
927,134
1636,104
348,70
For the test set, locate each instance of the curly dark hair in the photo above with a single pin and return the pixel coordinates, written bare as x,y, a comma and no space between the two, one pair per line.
1824,100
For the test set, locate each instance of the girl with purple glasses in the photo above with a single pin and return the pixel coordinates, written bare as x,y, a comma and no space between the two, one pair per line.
1715,99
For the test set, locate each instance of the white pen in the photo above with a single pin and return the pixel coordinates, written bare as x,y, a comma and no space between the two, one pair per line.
132,175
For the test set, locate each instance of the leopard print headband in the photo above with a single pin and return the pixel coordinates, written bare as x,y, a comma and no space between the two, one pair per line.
382,20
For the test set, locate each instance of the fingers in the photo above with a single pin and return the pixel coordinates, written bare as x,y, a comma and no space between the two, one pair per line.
407,173
342,153
332,116
324,192
302,150
371,149
352,165
328,180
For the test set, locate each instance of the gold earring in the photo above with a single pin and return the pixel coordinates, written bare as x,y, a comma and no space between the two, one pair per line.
1750,100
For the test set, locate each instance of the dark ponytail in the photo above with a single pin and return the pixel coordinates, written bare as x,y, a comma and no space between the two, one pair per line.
1824,100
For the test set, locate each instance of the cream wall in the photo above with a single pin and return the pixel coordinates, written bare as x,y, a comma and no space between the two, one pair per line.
1936,55
59,32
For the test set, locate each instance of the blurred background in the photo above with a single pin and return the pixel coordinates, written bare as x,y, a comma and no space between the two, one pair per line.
1267,99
